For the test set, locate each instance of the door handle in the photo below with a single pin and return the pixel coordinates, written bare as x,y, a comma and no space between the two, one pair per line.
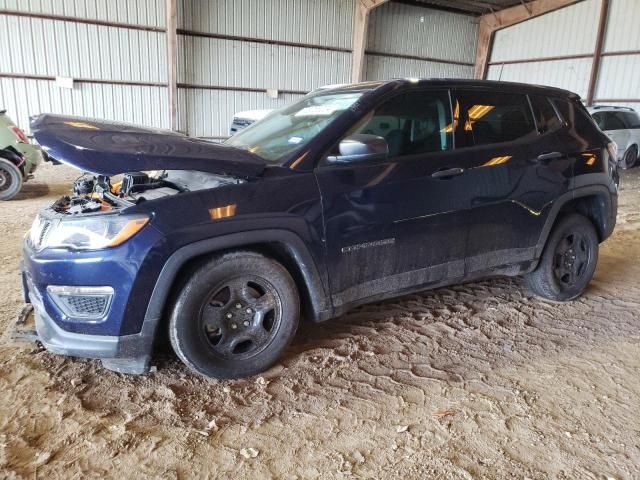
448,172
549,156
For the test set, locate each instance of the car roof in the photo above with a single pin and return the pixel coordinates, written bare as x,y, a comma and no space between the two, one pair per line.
458,82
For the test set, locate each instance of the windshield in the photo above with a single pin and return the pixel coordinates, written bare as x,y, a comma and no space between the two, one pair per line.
282,132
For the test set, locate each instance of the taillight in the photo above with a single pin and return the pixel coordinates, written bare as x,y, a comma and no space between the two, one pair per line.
19,134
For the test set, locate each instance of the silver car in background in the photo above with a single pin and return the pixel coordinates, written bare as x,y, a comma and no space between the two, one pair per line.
242,120
622,125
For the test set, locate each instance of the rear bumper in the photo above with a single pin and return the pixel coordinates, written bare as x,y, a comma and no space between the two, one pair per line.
33,156
125,354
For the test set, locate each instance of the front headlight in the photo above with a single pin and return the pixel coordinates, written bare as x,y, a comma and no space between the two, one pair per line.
93,233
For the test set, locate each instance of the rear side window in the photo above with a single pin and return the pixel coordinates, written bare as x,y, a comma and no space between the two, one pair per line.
487,117
632,120
575,116
546,117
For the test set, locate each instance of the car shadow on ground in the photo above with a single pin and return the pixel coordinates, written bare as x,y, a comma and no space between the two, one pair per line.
32,190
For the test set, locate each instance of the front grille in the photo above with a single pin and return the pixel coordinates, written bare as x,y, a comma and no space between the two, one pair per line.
242,122
85,303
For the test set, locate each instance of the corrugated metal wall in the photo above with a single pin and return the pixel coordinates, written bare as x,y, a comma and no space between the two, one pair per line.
232,50
229,53
619,77
407,41
115,50
563,43
568,31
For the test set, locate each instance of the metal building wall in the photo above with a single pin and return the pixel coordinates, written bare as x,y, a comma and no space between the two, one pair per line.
114,49
568,32
557,49
411,41
231,51
619,76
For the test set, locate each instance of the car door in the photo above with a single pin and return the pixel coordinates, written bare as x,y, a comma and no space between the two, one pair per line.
513,170
395,224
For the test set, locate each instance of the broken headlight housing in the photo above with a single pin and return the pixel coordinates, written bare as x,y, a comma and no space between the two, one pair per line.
88,233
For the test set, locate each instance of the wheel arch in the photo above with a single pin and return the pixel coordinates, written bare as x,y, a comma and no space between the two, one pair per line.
282,245
11,154
594,202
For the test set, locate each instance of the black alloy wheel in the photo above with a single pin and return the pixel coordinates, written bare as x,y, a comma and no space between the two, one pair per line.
571,259
241,317
234,315
568,260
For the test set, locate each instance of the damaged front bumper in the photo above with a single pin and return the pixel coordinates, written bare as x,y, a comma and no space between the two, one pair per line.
125,354
122,353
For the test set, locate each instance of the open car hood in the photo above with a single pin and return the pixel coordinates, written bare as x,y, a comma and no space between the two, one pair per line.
109,148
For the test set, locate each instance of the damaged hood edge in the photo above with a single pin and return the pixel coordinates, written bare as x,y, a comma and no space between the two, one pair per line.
109,148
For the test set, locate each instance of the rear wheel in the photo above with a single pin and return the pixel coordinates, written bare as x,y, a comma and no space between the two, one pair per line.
630,157
10,179
235,316
568,261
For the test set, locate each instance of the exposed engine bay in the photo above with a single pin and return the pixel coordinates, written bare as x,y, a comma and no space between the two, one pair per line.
95,193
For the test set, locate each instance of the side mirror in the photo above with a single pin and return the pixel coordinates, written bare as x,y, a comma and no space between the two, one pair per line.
360,147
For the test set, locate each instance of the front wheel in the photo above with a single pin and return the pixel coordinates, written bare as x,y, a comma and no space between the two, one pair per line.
10,179
568,261
235,315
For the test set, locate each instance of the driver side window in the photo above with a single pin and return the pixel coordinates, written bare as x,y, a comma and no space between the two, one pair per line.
412,123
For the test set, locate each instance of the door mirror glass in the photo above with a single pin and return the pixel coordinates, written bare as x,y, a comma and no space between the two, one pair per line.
360,147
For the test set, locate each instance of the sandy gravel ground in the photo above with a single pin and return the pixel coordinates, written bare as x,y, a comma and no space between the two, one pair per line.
475,381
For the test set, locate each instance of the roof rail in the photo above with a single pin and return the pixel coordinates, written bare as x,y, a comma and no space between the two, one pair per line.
617,107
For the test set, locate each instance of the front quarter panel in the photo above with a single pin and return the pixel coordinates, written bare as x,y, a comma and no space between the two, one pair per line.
282,200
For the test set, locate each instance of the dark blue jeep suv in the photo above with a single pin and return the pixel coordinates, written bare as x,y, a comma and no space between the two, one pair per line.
351,195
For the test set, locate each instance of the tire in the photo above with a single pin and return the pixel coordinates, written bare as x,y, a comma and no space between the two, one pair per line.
10,179
630,157
234,316
568,261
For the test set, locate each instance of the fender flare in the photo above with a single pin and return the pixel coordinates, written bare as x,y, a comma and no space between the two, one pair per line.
580,192
320,302
9,153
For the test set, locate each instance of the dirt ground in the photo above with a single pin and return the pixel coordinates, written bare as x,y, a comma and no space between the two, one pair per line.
475,381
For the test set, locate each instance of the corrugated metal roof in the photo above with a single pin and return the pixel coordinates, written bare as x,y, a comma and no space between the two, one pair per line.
472,7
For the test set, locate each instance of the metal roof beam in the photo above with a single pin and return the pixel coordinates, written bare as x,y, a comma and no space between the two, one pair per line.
360,29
